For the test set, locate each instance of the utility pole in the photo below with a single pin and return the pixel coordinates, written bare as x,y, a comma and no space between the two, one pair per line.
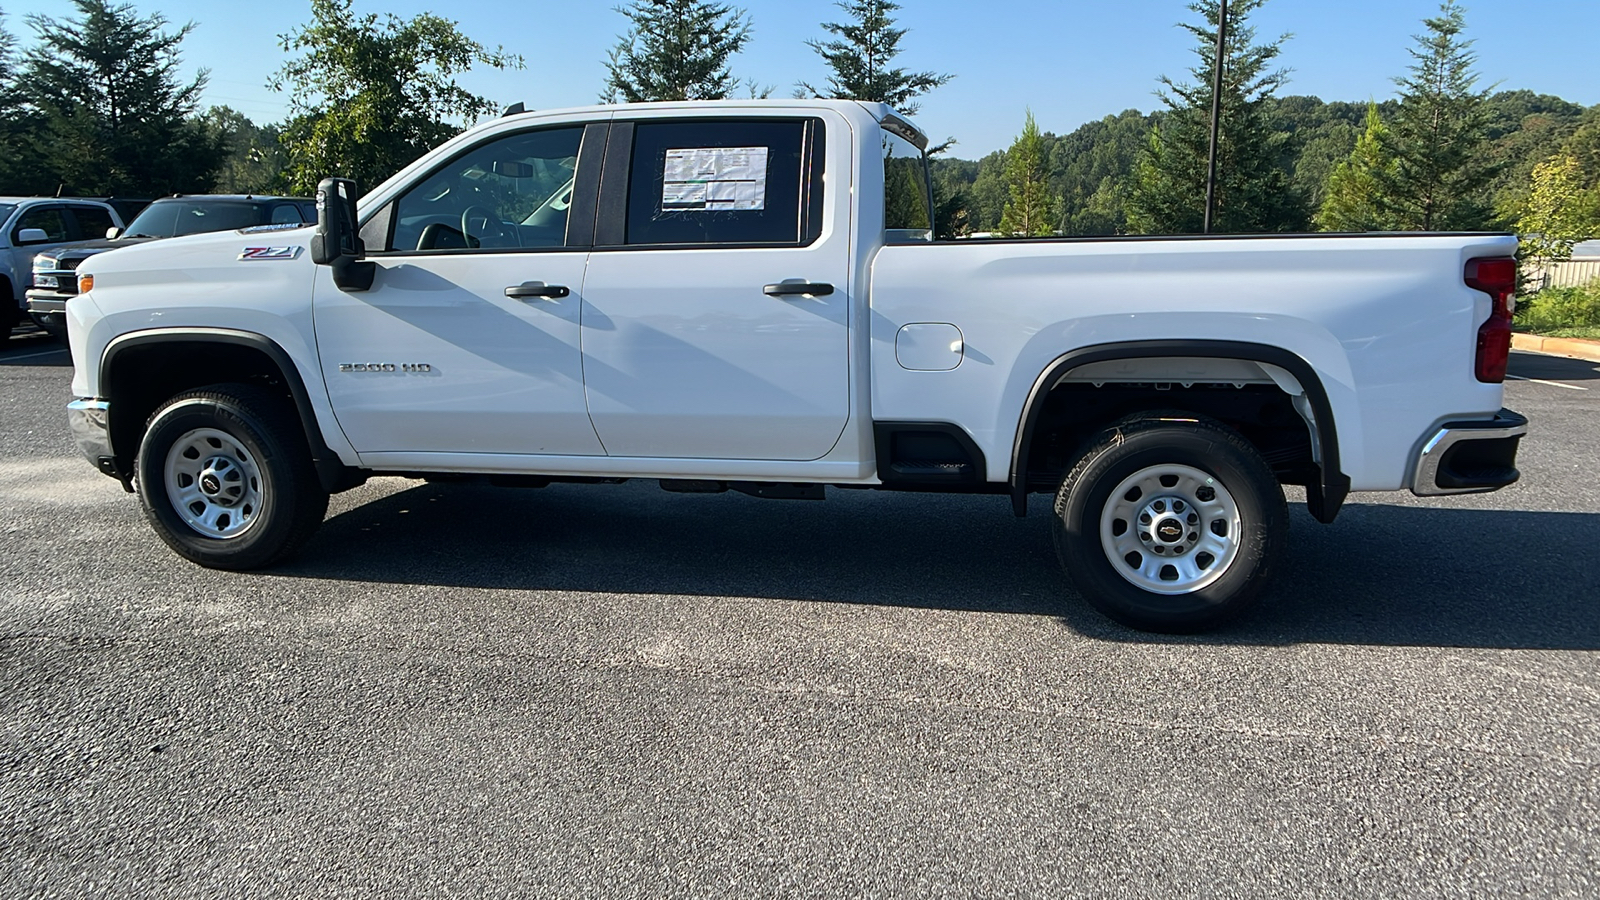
1216,114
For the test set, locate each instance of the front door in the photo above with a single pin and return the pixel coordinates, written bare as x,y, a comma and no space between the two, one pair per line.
468,340
717,302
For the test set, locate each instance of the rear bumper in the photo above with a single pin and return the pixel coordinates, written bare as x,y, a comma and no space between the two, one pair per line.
1470,457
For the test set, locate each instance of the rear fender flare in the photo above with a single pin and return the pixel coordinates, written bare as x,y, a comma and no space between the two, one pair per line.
1323,499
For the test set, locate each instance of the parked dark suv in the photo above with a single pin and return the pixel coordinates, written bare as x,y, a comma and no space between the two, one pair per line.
55,278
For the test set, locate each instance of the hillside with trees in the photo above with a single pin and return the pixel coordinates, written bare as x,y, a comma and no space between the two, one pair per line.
369,93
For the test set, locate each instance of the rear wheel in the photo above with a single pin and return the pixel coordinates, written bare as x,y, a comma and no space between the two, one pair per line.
1170,523
226,479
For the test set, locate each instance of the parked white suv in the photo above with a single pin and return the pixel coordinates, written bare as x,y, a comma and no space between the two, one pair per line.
33,225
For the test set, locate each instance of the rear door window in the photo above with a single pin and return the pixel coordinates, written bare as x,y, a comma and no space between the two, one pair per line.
93,222
729,181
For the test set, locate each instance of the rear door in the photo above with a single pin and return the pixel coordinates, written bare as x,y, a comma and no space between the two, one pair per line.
92,222
717,300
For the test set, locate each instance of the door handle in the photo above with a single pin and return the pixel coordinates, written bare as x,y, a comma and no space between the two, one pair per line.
529,290
798,288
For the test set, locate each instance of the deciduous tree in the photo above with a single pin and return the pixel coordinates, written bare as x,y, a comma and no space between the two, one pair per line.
254,159
676,50
860,58
1553,218
369,95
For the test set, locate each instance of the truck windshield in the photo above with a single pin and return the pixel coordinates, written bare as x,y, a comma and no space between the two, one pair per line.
6,209
174,218
906,218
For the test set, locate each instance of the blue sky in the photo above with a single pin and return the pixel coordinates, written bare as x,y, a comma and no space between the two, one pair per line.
1070,61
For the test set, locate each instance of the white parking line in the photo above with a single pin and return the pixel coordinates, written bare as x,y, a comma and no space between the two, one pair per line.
1570,387
32,355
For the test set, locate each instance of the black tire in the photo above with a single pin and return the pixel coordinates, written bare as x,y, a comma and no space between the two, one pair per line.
10,311
250,443
1209,493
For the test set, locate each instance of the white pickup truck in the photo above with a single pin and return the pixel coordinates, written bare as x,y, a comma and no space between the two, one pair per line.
746,296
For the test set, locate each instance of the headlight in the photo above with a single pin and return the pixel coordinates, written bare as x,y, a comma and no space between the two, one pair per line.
44,263
46,281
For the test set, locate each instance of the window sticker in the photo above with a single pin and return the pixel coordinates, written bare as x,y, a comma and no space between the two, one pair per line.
715,179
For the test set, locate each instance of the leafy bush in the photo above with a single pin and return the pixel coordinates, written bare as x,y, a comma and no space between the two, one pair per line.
1560,308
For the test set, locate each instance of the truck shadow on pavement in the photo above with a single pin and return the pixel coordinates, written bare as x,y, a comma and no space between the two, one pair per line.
1384,575
1554,368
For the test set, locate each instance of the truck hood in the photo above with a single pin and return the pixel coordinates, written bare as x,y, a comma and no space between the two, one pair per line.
90,248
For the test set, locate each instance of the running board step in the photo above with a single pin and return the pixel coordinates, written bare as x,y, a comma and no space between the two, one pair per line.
931,470
767,490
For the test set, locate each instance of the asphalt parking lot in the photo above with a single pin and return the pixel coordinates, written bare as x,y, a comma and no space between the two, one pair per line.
611,691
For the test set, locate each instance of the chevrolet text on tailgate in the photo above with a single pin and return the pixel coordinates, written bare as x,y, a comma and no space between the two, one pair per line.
747,296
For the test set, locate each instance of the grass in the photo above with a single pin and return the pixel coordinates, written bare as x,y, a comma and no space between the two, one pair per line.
1572,312
1590,332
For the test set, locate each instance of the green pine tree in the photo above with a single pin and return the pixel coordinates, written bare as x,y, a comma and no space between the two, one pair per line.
861,55
19,161
1254,194
1439,135
1031,211
109,108
1352,200
676,50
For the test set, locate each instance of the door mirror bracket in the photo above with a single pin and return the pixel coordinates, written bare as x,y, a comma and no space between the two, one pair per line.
336,242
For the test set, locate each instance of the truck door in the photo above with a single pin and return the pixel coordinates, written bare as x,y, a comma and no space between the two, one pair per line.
468,340
716,307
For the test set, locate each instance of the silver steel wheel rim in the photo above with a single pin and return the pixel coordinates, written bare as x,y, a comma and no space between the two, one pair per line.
1170,529
214,483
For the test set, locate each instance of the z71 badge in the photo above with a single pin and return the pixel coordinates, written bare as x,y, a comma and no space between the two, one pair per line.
270,253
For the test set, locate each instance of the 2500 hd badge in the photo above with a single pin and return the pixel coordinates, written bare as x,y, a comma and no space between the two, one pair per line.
385,367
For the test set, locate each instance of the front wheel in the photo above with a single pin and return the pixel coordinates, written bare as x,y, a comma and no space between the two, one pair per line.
1170,523
226,479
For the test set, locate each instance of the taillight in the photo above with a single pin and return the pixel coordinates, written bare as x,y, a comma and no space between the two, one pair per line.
1497,278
